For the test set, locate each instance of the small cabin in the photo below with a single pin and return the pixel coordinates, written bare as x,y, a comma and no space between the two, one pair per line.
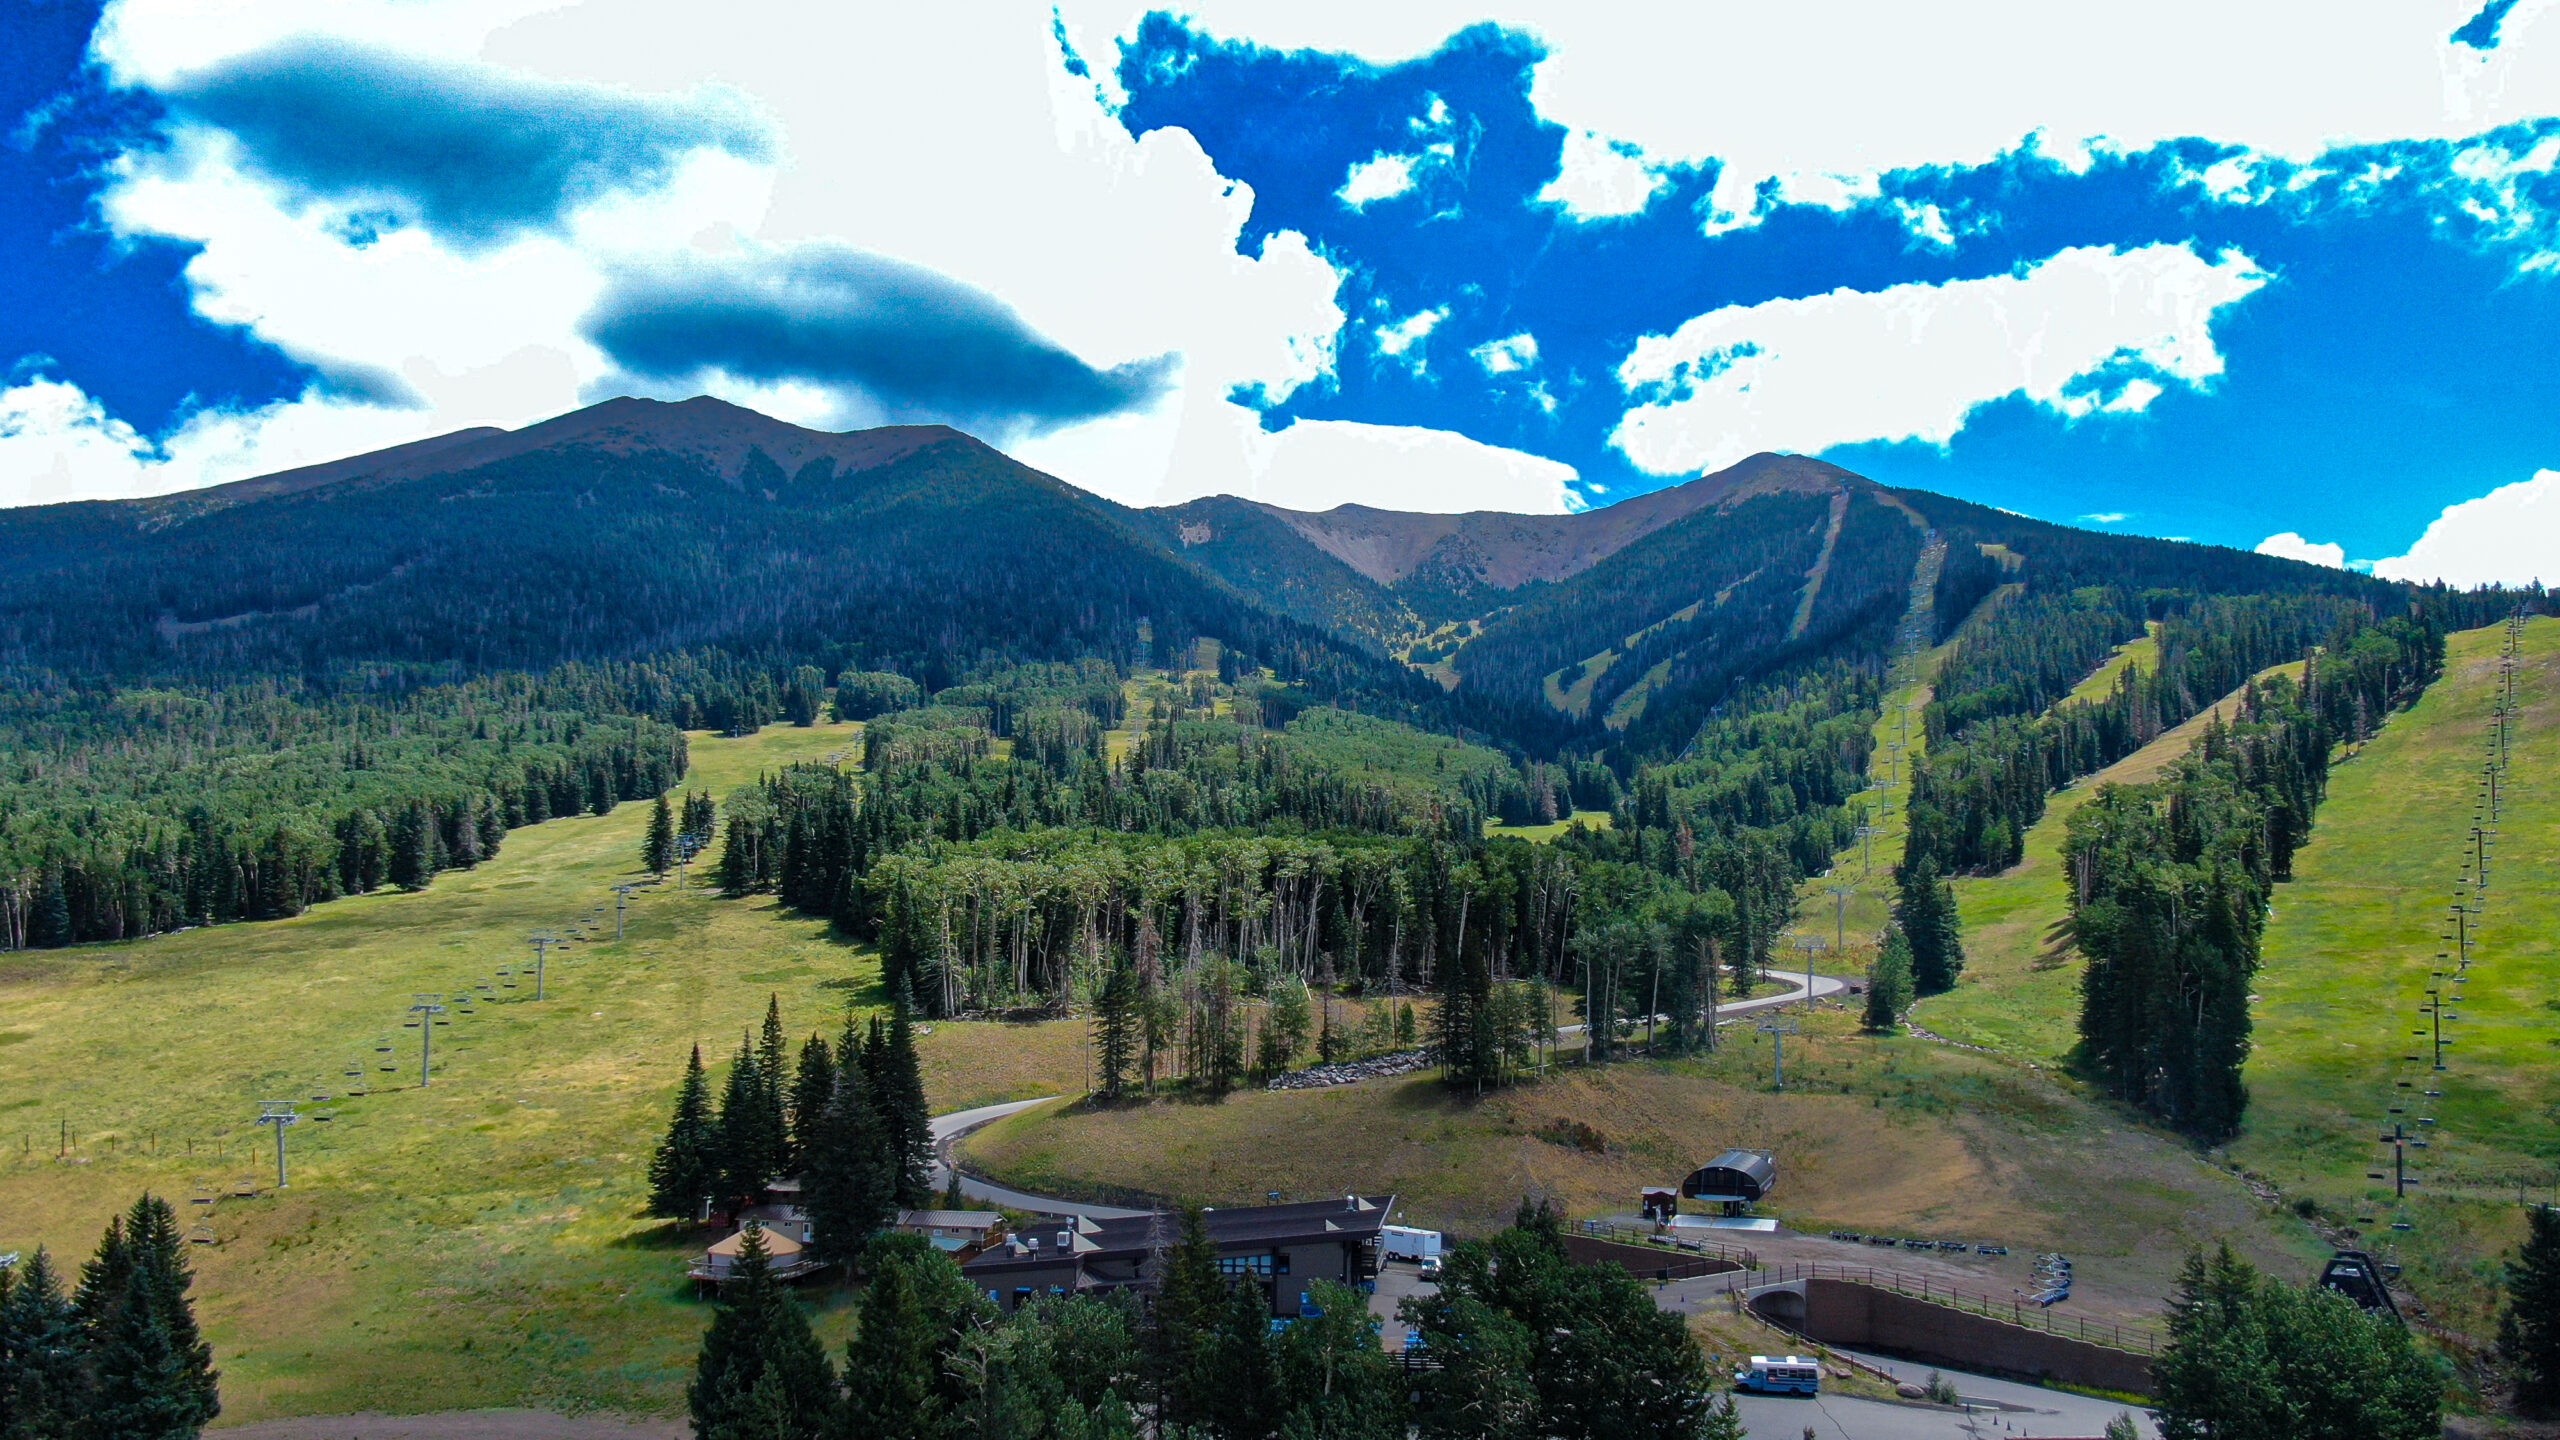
966,1232
787,1258
1735,1178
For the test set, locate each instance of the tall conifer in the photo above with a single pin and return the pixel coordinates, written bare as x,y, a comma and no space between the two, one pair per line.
658,851
747,1141
686,1171
891,1368
44,1378
2529,1330
759,1330
846,1180
906,1118
811,1088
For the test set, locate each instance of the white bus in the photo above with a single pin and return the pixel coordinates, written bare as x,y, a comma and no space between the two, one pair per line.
1780,1375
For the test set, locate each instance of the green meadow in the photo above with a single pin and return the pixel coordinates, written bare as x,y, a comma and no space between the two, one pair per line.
477,1242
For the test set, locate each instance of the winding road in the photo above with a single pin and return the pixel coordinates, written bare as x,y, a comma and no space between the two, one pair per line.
948,1129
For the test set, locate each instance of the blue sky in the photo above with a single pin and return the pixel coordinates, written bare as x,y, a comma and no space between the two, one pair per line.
2209,276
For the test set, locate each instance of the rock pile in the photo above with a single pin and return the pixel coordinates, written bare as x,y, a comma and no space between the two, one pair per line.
1316,1077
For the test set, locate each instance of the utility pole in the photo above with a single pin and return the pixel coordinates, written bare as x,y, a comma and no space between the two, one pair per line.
1778,1031
426,1008
278,1113
621,902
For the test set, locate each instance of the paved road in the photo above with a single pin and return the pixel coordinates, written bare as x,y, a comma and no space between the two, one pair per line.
1823,987
2004,1409
1995,1408
949,1128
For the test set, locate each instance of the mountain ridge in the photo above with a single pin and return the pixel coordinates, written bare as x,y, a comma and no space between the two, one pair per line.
637,527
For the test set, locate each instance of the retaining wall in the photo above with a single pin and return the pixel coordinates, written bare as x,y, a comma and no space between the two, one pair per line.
1646,1262
1843,1312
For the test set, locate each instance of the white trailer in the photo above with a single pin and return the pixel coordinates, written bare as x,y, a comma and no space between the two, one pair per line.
1404,1242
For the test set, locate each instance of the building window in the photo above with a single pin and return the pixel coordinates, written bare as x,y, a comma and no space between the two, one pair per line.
1259,1265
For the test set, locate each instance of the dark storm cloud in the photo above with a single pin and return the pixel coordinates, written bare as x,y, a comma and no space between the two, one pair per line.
918,344
475,153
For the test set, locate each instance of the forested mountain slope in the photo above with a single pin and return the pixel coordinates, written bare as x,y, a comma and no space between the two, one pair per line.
632,529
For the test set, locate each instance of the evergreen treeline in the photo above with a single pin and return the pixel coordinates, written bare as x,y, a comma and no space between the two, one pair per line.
1996,749
849,1120
2252,1359
2169,881
131,812
114,1356
1527,1344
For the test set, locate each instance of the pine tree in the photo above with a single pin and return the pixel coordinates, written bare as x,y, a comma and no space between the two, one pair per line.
2529,1329
1925,908
658,851
774,1079
759,1330
44,1379
891,1364
686,1172
160,1265
810,1090
413,848
1190,1297
50,926
1117,1030
1237,1385
104,1276
847,1181
1284,1028
1889,982
906,1117
747,1141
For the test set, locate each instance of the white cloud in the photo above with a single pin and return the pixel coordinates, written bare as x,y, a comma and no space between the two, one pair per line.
1407,334
1510,353
1958,84
1596,180
2106,517
1926,223
1380,177
2510,535
2085,331
56,444
1135,251
2290,546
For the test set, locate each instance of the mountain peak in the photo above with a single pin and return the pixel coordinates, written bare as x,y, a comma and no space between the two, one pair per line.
719,434
1507,551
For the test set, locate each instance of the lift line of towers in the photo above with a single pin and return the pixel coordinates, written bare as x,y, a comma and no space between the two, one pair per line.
2465,917
428,1010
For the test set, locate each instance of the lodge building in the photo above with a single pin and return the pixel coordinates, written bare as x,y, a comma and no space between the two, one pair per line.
1285,1247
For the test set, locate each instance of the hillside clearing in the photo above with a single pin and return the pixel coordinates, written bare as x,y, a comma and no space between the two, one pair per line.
2348,955
477,1243
1897,1135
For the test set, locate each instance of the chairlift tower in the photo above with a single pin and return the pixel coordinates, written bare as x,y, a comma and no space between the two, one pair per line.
1839,919
1778,1031
621,902
426,1008
1811,945
541,944
278,1113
